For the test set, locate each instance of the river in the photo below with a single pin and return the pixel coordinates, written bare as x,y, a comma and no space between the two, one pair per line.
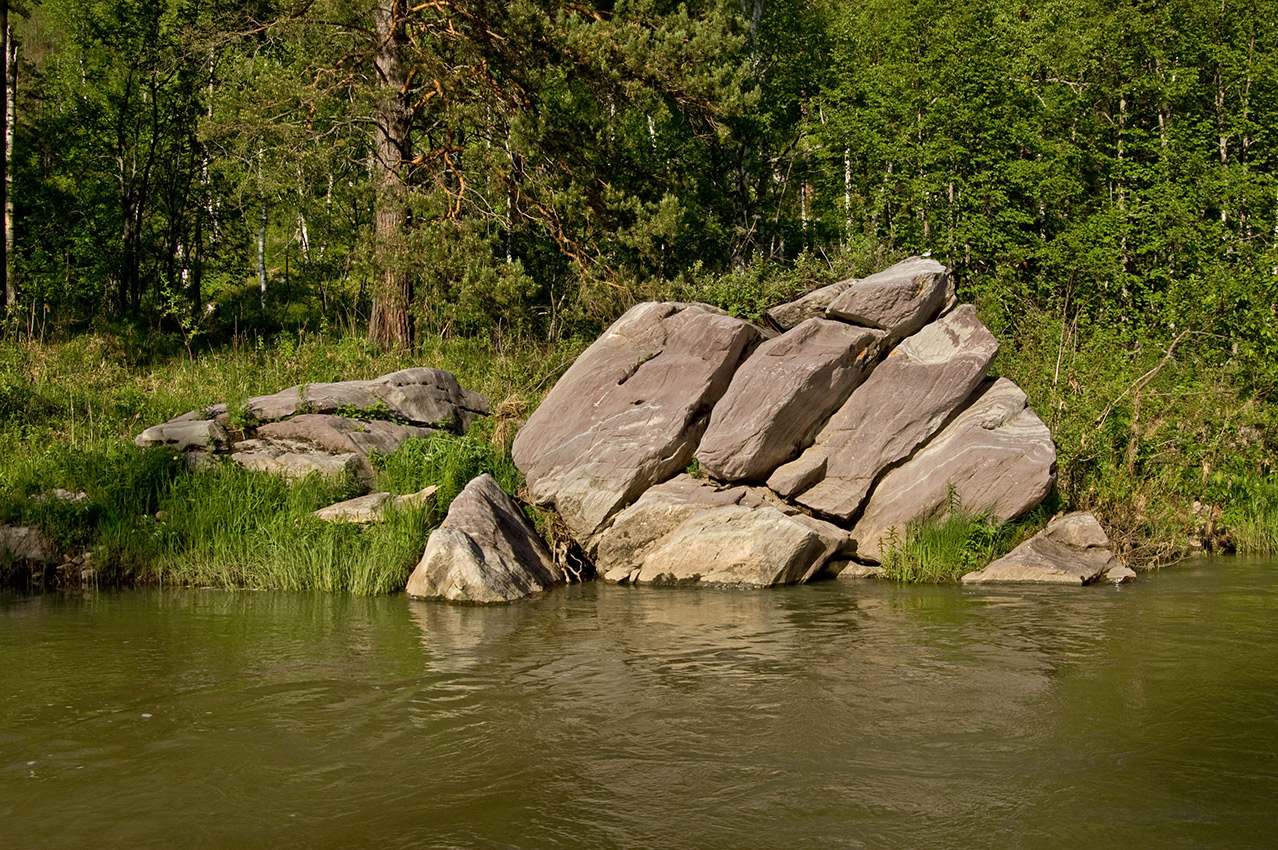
833,715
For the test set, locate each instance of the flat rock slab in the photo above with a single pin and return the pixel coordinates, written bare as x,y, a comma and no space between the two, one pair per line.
340,434
294,461
373,507
995,456
782,395
689,532
906,400
485,551
900,300
1073,549
630,411
183,435
418,396
810,306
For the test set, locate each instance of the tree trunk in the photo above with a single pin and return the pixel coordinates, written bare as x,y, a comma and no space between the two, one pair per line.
391,322
10,86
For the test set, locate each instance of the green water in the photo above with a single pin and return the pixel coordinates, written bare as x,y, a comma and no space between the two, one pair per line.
832,715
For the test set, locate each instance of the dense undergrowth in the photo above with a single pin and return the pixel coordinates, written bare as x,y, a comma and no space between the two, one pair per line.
1171,444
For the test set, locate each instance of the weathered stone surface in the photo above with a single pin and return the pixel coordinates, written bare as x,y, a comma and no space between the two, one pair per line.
25,544
849,570
900,299
340,434
629,412
184,435
373,507
1073,549
906,399
484,551
294,460
1120,574
996,455
810,306
419,396
782,395
688,531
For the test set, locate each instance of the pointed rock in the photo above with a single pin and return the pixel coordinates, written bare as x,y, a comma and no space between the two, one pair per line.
630,411
485,550
1073,549
906,400
782,395
996,455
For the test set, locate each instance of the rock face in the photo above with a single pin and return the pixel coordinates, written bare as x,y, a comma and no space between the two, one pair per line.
782,395
325,429
25,544
904,402
996,455
899,300
629,413
484,551
810,306
687,532
1073,549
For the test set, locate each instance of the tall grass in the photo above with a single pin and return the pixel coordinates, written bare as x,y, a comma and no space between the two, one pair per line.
943,549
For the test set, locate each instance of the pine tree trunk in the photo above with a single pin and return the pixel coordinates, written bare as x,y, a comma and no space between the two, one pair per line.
391,322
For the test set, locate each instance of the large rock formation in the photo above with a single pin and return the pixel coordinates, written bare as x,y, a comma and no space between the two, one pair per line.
995,456
485,550
903,403
629,413
328,429
1073,549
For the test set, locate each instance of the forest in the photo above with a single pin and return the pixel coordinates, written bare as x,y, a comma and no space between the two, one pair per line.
222,196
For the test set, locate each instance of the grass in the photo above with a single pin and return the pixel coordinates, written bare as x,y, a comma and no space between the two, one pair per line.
943,549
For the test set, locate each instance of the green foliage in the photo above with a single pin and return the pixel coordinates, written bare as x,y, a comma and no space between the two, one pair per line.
449,462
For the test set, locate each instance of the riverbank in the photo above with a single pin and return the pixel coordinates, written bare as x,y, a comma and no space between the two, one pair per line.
1167,448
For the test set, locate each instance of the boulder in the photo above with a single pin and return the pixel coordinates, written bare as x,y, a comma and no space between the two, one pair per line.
373,507
485,550
689,531
782,395
1120,574
419,396
294,460
996,455
183,435
340,434
1073,549
25,544
810,306
630,411
900,299
906,400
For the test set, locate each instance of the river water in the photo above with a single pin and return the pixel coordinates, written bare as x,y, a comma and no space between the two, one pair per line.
833,715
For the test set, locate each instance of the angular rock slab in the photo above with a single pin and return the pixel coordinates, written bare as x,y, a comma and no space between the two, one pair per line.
906,400
810,306
901,299
996,455
687,532
418,396
630,411
183,435
485,550
1073,549
340,434
782,395
373,507
294,460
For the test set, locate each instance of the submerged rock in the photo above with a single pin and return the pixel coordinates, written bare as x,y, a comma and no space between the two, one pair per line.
1073,549
629,412
485,550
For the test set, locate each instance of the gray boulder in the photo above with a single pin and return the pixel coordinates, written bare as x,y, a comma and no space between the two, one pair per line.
996,455
900,299
293,460
184,435
810,306
630,411
484,551
1073,549
687,532
340,434
373,507
25,544
781,396
906,400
